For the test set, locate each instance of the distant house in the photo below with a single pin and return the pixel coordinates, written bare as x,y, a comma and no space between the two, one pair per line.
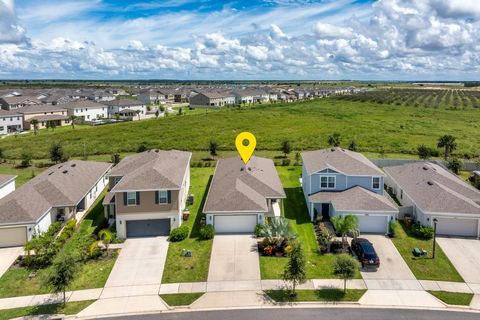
242,196
14,102
86,109
435,193
10,121
126,108
101,96
148,192
7,184
250,96
156,96
45,114
60,193
339,182
212,99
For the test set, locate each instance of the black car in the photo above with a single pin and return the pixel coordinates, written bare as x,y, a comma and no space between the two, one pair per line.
365,253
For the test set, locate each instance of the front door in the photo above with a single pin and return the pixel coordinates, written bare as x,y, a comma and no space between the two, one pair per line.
325,211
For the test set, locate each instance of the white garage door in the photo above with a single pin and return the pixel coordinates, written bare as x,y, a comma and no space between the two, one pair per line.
235,223
372,224
457,227
13,237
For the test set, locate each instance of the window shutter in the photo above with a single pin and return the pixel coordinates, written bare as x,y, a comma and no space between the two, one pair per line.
156,197
138,198
124,198
169,196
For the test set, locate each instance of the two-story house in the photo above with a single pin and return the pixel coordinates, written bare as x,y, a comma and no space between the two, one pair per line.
148,192
338,182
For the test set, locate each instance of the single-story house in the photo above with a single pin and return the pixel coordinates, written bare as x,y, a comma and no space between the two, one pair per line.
242,196
60,193
435,193
339,182
212,99
7,184
148,192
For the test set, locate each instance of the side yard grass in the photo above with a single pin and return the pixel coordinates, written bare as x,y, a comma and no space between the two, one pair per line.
453,298
327,295
58,308
295,210
194,268
424,268
91,274
181,299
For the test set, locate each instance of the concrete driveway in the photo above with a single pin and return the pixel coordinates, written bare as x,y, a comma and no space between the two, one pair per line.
393,272
140,263
234,258
8,257
465,256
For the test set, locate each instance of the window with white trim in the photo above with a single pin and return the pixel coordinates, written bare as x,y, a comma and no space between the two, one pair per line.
162,196
376,183
131,198
327,182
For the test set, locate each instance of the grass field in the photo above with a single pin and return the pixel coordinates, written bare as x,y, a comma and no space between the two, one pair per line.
326,295
181,299
69,309
453,298
396,129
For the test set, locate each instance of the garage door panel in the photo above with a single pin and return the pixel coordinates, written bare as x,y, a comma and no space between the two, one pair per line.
148,228
13,237
372,224
457,227
235,223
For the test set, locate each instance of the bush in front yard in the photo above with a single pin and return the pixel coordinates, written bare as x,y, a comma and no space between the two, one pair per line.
392,227
258,230
207,232
179,234
422,232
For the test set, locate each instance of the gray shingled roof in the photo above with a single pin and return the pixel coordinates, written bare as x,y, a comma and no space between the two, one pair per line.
340,160
47,117
152,170
6,113
434,189
354,199
86,104
63,184
123,103
40,108
236,189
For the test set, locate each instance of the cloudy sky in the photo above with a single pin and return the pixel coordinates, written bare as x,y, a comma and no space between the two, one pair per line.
249,39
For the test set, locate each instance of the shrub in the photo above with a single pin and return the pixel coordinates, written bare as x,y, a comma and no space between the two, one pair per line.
207,232
285,162
67,232
179,234
422,232
258,230
392,226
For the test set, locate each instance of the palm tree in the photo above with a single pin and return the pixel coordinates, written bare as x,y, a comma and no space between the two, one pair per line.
34,123
72,120
345,225
138,114
448,142
334,139
106,237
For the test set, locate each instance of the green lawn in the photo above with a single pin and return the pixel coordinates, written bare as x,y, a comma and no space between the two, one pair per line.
326,295
194,268
92,274
424,268
181,299
23,174
295,210
398,129
69,309
453,298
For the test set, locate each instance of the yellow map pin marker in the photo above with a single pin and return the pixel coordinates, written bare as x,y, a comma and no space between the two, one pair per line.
245,149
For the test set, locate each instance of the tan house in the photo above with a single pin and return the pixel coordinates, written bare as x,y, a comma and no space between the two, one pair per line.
148,192
44,114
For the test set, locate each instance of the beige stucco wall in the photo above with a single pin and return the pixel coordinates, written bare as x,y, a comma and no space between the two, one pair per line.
40,126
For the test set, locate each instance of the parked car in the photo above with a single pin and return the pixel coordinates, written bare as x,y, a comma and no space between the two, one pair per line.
365,252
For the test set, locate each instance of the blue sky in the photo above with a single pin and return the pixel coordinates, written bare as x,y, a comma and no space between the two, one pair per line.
262,39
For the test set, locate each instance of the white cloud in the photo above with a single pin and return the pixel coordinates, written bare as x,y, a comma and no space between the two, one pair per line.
10,30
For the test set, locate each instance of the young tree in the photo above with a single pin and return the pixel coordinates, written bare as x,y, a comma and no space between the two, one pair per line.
34,123
334,139
352,146
56,152
344,267
455,165
180,111
295,269
213,147
448,143
106,237
298,157
72,120
115,159
52,125
26,160
345,225
137,112
423,152
157,114
61,274
285,147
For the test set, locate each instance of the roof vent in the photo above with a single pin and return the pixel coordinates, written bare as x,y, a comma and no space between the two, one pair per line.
430,183
333,149
65,171
50,173
242,168
157,151
425,168
73,165
249,169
